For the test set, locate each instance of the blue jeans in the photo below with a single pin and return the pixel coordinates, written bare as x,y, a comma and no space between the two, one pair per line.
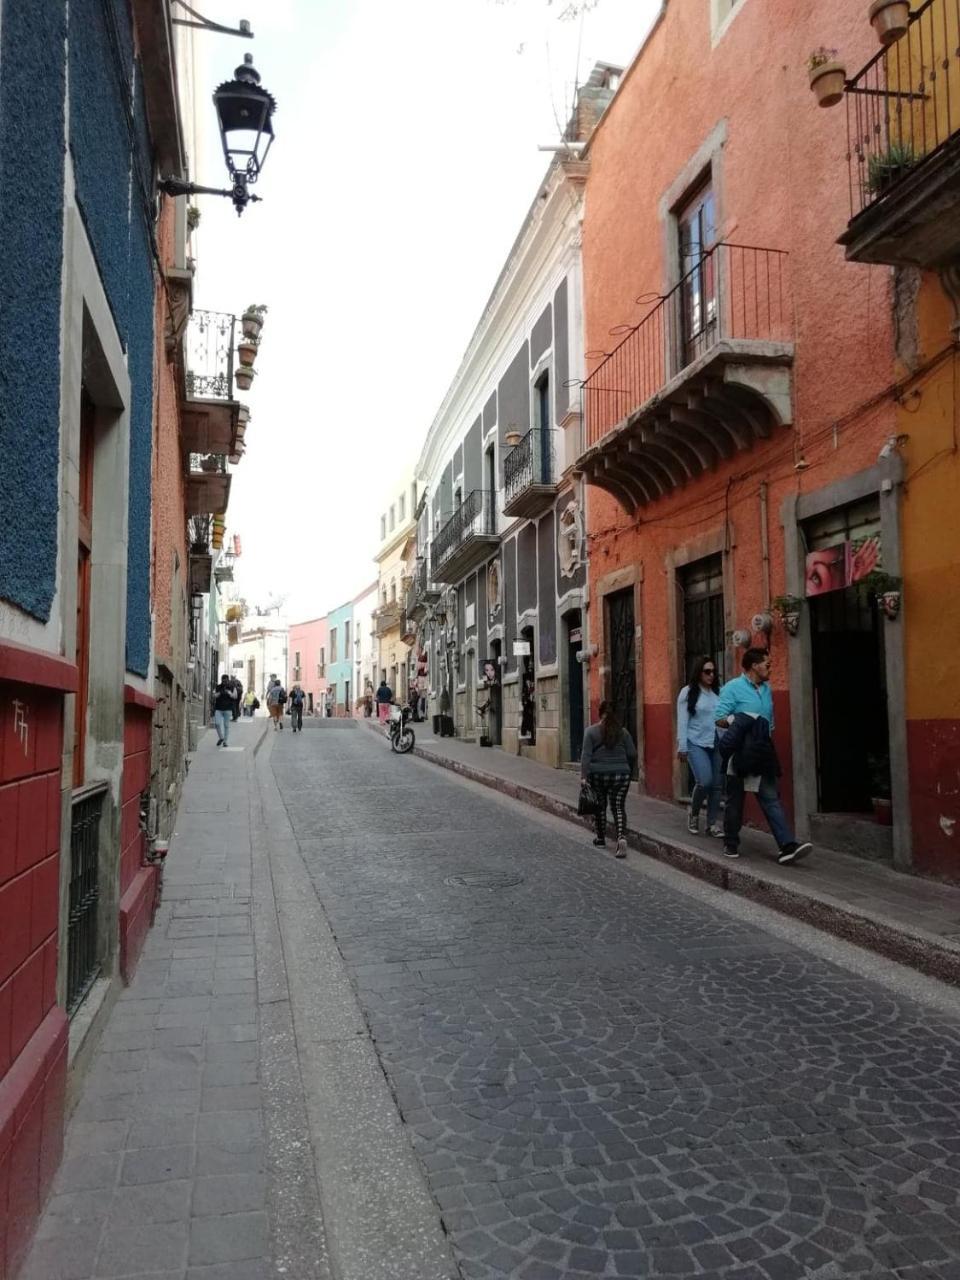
707,769
769,800
221,720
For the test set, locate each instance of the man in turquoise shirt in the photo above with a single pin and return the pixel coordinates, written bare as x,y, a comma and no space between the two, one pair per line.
750,694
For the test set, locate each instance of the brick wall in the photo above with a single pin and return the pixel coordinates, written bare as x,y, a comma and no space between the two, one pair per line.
33,1031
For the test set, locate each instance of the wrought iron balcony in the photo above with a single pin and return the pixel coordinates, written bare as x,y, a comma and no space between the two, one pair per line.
468,537
699,378
408,629
530,474
903,145
210,413
208,485
421,593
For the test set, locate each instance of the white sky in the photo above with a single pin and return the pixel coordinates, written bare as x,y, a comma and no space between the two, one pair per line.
404,163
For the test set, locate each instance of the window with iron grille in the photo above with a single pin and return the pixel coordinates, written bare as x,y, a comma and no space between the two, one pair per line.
83,952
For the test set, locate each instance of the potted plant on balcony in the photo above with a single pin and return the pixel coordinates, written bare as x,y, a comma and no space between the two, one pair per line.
252,321
890,19
193,217
827,76
786,610
512,438
247,351
209,463
884,168
244,377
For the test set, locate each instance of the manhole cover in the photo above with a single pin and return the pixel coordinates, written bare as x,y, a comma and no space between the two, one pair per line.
484,880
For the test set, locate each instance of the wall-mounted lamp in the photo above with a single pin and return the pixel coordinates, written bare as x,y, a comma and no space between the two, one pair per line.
586,653
245,118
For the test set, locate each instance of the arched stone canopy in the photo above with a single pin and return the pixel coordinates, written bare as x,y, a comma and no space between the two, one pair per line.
709,413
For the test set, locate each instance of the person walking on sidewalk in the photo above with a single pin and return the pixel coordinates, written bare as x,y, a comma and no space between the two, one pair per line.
697,744
384,697
276,697
607,762
238,690
224,701
745,718
296,709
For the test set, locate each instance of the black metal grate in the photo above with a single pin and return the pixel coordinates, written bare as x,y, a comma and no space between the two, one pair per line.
475,517
529,463
83,963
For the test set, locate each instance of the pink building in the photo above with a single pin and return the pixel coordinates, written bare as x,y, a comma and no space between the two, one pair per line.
308,648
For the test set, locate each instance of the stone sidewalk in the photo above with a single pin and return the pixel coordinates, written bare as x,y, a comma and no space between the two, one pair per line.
905,918
212,1140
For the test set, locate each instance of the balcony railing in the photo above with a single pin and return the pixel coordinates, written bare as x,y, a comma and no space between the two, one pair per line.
209,355
529,472
475,518
387,617
734,292
904,105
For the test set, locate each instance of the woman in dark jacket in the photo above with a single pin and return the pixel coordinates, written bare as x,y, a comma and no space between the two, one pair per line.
607,762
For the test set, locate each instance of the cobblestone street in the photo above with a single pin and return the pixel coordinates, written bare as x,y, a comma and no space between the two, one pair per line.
393,1025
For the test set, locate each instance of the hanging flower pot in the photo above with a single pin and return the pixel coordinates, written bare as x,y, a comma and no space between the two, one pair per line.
234,459
512,439
252,321
827,76
890,19
890,604
243,414
244,377
786,610
247,351
209,463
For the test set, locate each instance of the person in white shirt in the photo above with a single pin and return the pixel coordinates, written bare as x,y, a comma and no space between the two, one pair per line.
697,744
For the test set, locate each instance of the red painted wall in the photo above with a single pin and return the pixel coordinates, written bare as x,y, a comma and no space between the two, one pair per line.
137,881
780,183
33,1031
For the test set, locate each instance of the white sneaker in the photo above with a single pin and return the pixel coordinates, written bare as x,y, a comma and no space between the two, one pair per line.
621,848
715,829
693,824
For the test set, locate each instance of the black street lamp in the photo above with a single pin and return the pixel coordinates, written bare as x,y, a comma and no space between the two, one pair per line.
245,117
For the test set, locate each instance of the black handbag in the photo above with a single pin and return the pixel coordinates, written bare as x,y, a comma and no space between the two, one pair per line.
587,805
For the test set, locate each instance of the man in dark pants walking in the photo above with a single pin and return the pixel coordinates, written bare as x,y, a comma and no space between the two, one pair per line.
749,696
296,709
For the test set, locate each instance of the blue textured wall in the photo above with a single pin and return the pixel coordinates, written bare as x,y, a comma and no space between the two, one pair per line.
111,159
32,86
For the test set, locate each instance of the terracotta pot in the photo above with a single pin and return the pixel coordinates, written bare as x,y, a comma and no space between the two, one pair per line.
243,414
890,19
512,438
882,811
247,351
827,83
251,323
244,377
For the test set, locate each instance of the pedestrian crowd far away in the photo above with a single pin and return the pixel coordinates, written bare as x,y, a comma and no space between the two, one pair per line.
726,739
275,698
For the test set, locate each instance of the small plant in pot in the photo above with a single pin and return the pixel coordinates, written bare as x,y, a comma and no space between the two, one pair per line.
884,168
252,320
786,610
879,767
244,377
193,217
512,438
886,589
827,76
247,351
890,19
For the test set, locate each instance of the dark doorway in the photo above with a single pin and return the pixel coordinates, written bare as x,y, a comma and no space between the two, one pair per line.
494,713
621,645
701,584
850,701
528,692
490,471
574,686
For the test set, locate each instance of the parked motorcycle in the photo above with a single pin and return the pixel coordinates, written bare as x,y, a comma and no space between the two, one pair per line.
402,737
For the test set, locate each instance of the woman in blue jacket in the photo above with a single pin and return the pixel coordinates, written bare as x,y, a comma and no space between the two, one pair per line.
697,744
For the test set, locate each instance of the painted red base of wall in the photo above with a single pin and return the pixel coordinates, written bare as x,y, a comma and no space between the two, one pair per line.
933,751
136,916
32,1097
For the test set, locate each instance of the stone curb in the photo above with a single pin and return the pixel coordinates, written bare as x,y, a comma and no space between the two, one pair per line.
914,948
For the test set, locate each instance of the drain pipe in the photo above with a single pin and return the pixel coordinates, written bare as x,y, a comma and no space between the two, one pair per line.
764,545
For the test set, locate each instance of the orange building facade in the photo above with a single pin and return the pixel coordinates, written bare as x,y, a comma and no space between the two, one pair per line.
741,414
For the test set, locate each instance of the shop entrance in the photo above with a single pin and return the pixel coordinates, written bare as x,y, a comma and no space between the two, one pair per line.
574,685
621,630
849,673
528,692
494,713
701,584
